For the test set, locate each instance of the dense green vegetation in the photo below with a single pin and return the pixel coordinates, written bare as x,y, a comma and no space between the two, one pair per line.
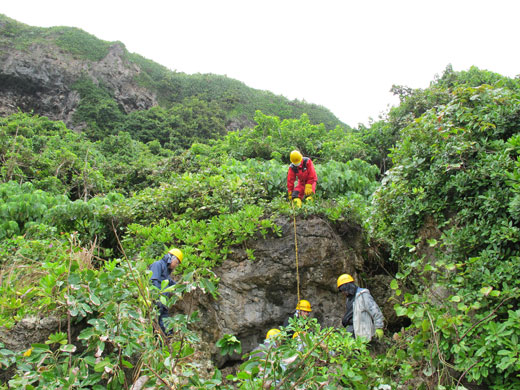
84,214
449,208
75,211
70,39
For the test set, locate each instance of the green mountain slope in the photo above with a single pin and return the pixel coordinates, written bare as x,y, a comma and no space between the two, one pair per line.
85,58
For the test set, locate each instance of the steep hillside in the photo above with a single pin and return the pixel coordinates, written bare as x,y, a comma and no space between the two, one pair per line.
67,74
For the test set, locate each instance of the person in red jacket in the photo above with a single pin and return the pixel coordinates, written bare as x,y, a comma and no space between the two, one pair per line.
301,168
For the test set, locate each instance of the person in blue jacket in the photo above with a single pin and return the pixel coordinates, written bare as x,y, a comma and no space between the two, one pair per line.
161,270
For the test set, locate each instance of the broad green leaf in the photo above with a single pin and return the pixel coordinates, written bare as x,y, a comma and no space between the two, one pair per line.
68,348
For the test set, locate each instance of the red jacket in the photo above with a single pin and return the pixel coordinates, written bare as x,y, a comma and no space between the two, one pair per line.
305,174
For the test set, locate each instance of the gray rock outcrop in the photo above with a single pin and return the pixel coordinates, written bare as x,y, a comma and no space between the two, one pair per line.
40,79
256,295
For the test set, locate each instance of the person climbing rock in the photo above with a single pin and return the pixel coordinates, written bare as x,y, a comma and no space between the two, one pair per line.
303,310
363,317
161,270
301,168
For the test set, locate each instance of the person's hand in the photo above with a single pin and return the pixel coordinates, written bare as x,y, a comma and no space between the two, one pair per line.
297,202
308,189
379,333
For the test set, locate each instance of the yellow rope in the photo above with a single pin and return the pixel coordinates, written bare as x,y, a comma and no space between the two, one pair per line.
296,252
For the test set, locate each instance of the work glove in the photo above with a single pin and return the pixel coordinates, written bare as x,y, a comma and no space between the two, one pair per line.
297,202
309,199
344,321
308,189
290,195
379,333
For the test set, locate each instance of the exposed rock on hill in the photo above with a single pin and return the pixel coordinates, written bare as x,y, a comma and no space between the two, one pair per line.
40,79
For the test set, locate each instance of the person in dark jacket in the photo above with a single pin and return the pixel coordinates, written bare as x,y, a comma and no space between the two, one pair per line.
161,270
363,318
301,168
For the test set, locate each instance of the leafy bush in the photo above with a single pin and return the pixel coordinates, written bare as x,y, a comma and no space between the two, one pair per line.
206,243
316,358
21,205
444,207
97,108
121,321
61,161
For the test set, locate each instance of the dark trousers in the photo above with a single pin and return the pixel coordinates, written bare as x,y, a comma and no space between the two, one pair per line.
163,313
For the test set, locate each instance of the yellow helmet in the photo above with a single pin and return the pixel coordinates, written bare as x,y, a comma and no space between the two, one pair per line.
296,157
303,305
272,332
177,253
345,278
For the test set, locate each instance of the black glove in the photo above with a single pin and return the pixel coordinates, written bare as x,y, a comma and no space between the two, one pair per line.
344,321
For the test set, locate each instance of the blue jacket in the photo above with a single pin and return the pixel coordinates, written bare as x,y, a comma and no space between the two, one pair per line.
160,271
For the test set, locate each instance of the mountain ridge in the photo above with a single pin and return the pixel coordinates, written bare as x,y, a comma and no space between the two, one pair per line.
40,66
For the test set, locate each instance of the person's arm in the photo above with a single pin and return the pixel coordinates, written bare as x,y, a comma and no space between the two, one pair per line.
374,310
312,177
344,320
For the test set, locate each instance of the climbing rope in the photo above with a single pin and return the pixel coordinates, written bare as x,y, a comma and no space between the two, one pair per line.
296,252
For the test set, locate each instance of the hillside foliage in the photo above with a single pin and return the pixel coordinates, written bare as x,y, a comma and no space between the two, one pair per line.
449,208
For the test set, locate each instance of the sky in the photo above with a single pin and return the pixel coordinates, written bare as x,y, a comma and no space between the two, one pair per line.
341,54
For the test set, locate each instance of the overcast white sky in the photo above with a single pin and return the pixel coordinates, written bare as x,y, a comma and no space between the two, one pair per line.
341,54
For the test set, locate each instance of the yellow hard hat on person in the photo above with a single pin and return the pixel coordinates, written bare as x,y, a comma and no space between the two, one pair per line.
345,278
296,157
303,305
272,332
177,253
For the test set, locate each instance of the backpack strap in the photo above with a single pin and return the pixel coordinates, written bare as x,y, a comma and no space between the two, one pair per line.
304,165
304,168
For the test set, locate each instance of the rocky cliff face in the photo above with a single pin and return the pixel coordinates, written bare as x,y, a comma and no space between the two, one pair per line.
39,79
258,295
